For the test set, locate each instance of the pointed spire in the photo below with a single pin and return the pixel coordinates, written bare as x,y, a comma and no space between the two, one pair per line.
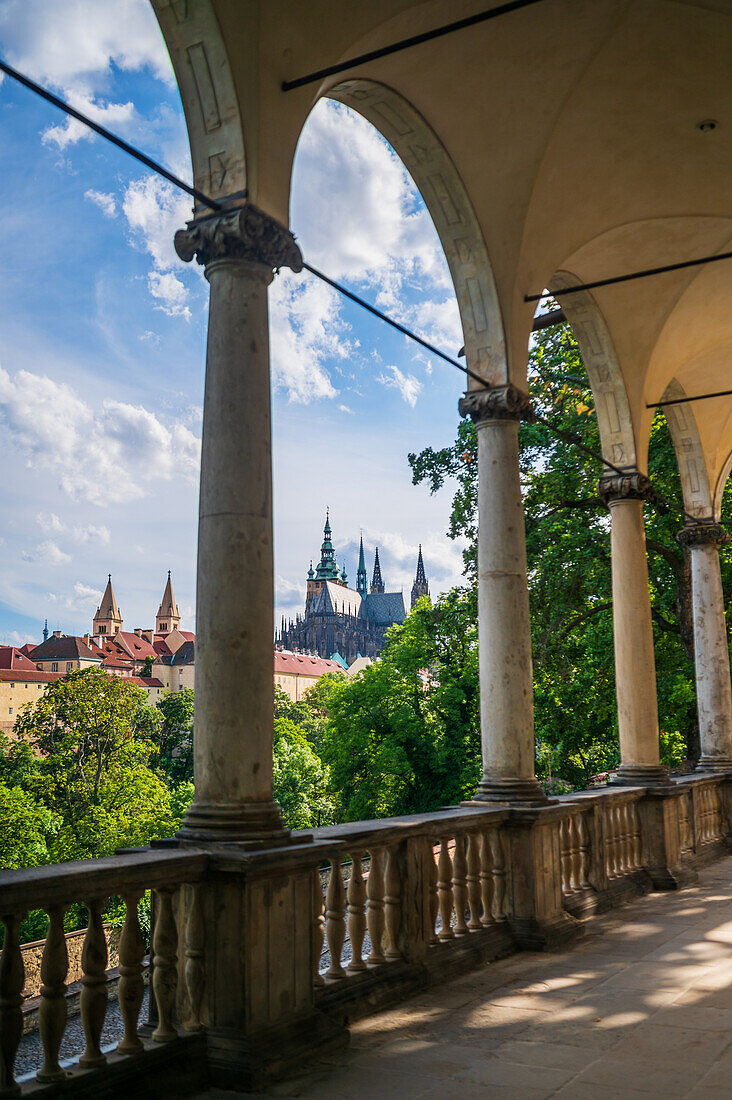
108,619
327,566
45,631
361,580
420,586
168,616
377,584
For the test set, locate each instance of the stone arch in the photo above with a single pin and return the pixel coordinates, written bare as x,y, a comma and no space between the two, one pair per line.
203,74
689,453
721,486
603,370
446,199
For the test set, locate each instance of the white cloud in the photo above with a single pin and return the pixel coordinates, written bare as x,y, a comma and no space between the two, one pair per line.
47,551
154,211
77,42
50,522
104,455
170,292
16,638
409,386
91,533
115,116
106,203
345,409
85,596
306,329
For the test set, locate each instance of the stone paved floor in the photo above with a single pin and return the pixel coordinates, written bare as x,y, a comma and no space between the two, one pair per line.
640,1007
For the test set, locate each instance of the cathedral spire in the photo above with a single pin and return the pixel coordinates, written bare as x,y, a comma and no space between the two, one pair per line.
361,581
167,618
420,586
377,584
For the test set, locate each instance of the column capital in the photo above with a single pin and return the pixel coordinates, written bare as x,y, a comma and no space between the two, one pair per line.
630,486
703,534
243,233
495,403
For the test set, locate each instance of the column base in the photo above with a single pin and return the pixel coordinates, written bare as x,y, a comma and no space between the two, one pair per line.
714,764
245,824
641,775
493,788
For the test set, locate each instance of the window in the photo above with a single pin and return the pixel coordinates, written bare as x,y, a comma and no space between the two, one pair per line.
10,710
69,666
40,687
102,630
12,685
54,666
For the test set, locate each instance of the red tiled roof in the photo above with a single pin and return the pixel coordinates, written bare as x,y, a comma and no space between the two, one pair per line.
137,647
147,681
31,677
301,664
67,646
161,647
13,658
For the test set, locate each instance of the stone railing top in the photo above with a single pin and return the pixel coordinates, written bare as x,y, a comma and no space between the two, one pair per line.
63,883
389,829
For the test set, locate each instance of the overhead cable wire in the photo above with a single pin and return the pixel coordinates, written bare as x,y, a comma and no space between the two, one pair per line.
685,400
154,166
407,43
644,274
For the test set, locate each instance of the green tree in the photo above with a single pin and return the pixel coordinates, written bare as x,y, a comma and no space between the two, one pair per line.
92,735
300,780
402,737
26,827
174,739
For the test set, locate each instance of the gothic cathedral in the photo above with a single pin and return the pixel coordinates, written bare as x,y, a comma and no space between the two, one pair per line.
346,622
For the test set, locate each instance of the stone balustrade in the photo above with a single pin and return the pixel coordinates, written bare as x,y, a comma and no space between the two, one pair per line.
260,957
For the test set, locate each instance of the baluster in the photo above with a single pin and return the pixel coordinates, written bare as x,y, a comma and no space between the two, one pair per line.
392,905
575,875
434,901
486,880
584,850
473,880
12,979
459,886
628,822
318,927
444,890
716,813
335,920
704,814
635,837
375,907
52,1011
499,876
165,965
195,967
610,845
93,999
619,839
356,914
131,988
565,855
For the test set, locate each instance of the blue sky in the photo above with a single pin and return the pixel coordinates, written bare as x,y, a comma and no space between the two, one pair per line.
102,340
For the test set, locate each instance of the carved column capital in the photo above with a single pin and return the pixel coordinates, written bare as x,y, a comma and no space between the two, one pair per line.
495,403
630,486
244,233
703,534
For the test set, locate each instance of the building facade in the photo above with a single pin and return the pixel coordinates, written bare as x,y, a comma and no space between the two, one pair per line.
349,622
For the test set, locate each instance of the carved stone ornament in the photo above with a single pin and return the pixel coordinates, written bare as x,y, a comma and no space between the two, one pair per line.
703,534
495,403
630,486
245,233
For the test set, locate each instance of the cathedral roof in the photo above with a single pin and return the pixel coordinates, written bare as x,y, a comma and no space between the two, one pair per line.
334,598
384,607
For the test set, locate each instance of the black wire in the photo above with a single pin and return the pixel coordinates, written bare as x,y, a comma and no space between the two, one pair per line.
405,43
199,195
103,132
558,294
683,400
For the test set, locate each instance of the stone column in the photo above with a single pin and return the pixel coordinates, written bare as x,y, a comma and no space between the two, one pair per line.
711,652
504,634
635,663
240,249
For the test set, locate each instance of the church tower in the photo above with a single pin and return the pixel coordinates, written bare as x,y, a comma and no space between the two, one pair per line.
361,581
108,619
377,585
168,617
327,566
420,587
